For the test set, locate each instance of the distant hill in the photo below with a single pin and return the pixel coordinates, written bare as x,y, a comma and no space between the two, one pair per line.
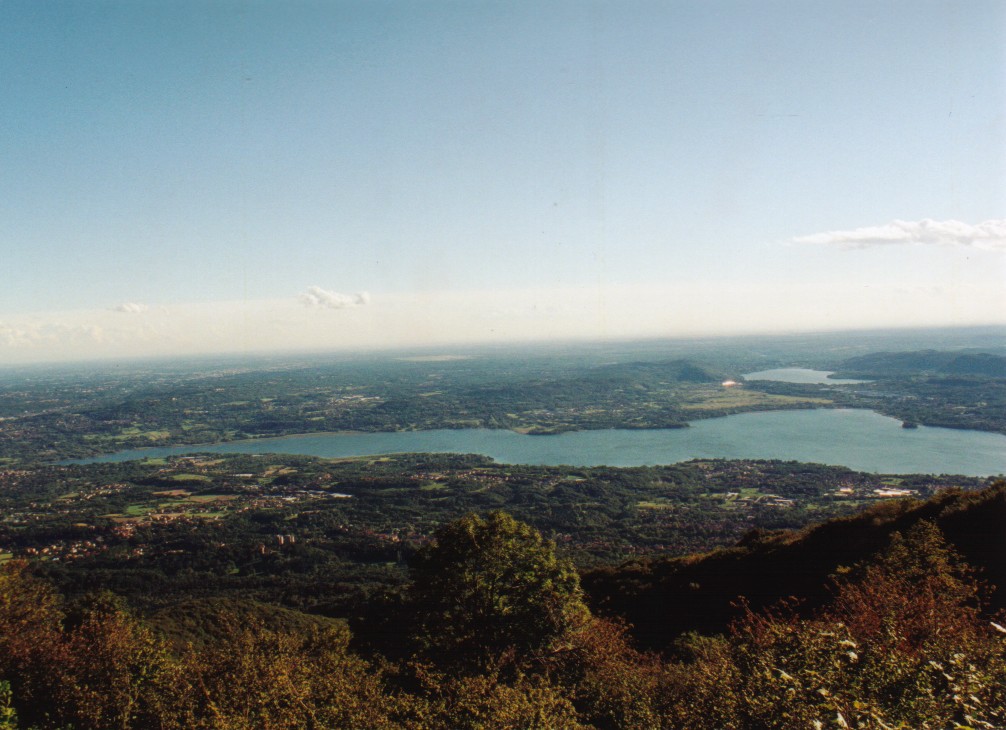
993,366
924,362
200,621
664,598
683,371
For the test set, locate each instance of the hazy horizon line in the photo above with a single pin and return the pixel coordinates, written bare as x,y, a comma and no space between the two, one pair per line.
472,348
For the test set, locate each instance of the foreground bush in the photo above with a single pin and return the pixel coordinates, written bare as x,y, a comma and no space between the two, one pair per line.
903,645
258,678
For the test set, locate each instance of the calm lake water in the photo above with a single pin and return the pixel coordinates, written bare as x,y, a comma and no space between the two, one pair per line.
801,375
859,439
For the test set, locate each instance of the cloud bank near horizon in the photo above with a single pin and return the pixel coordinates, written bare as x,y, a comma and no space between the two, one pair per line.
678,309
315,296
50,334
988,236
131,308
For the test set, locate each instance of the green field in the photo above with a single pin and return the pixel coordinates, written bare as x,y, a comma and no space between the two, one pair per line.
717,399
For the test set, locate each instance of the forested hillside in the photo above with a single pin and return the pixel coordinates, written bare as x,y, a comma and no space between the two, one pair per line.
492,630
663,598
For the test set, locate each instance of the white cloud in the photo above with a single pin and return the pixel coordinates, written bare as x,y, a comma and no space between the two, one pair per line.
33,334
130,308
989,236
315,296
673,309
14,336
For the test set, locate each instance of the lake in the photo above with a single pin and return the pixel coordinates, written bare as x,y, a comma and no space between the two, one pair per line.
860,439
801,375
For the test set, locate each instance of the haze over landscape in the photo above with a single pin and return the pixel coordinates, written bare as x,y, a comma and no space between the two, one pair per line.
194,177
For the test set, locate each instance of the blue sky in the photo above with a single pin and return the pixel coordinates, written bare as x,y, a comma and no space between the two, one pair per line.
198,176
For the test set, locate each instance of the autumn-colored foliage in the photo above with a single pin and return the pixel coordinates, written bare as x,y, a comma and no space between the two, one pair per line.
490,700
259,678
30,633
117,674
504,641
611,684
902,645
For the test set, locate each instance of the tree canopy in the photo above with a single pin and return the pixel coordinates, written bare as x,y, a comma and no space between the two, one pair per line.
486,585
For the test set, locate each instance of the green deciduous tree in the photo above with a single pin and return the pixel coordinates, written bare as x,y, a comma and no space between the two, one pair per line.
491,585
8,715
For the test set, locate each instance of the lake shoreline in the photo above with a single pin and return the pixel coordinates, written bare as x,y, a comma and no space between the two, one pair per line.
860,439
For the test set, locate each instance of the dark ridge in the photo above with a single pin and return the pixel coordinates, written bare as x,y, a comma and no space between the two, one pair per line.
664,598
684,371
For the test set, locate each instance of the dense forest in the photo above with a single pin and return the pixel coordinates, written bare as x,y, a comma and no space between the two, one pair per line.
492,629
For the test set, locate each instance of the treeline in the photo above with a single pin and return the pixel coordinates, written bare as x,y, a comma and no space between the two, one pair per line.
493,631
